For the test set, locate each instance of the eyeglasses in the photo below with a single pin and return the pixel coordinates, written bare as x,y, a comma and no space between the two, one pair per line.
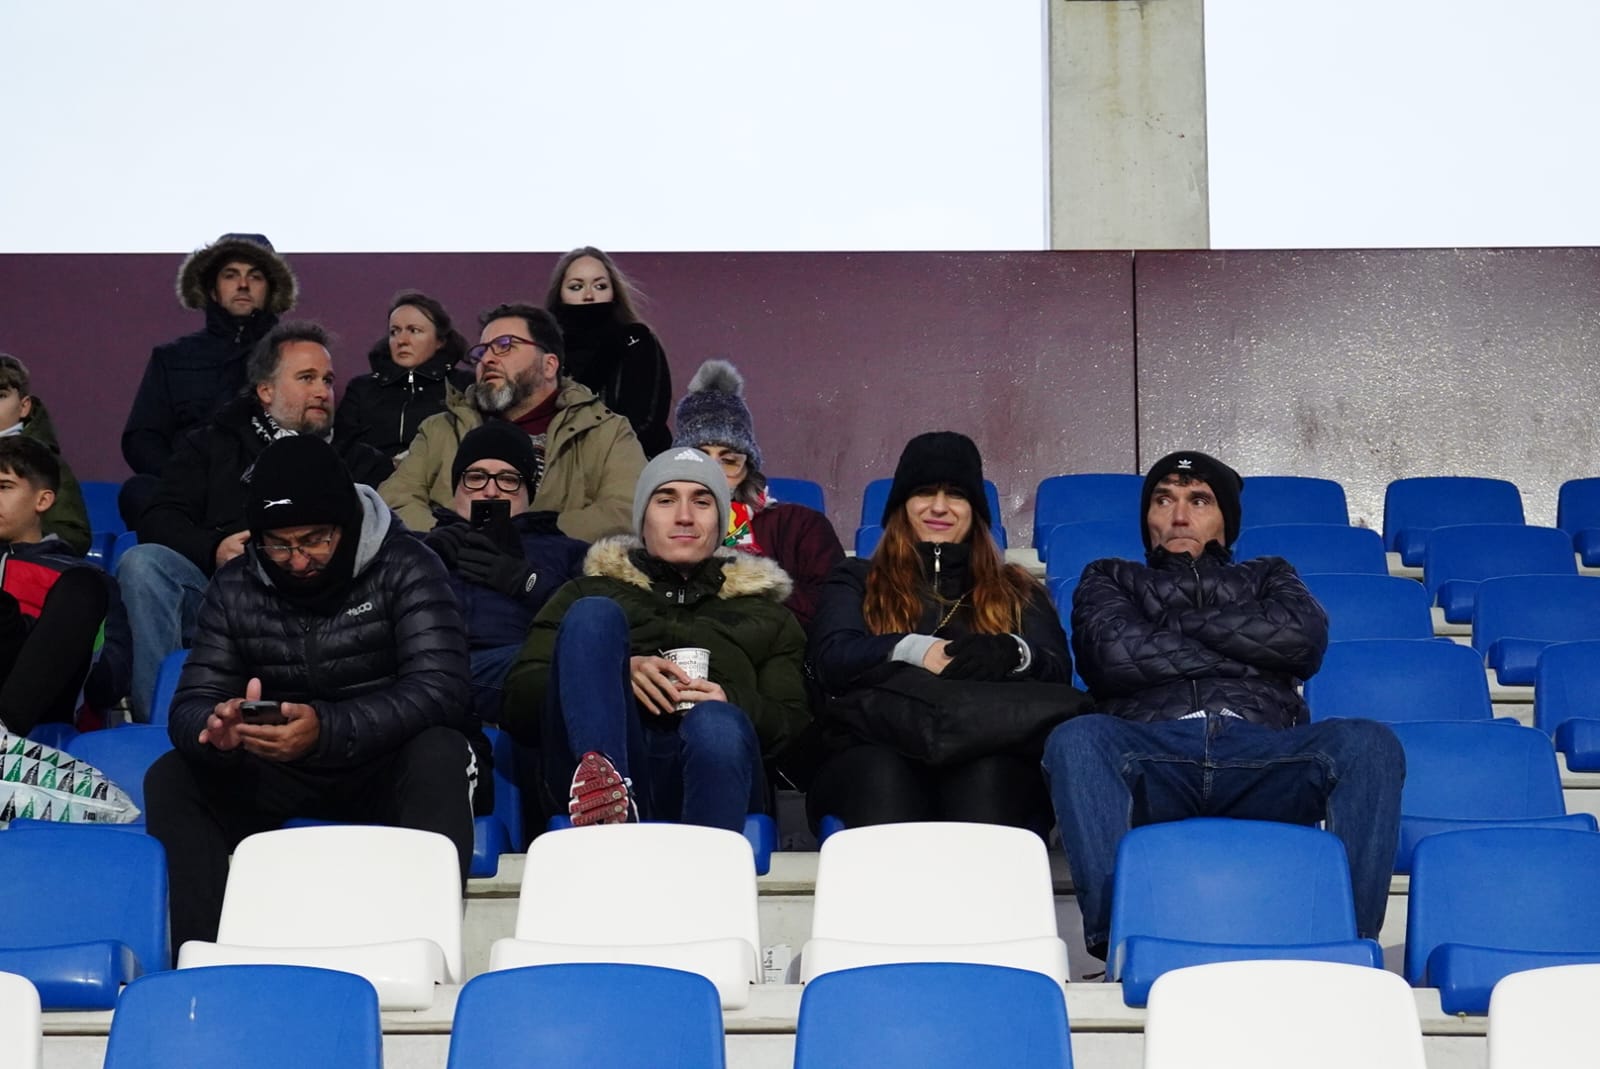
476,479
499,346
314,548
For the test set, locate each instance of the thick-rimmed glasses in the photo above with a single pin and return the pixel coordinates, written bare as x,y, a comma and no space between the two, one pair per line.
318,547
498,346
476,479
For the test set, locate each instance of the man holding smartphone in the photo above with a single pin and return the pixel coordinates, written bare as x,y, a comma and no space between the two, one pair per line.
327,679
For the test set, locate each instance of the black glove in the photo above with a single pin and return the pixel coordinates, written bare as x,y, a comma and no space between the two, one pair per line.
446,542
987,657
480,561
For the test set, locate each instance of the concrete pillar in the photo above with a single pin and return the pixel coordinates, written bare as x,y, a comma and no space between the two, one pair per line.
1128,125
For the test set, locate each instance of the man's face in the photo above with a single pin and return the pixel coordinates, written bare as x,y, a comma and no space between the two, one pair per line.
680,524
491,473
518,379
300,395
241,288
1183,516
14,407
303,552
22,506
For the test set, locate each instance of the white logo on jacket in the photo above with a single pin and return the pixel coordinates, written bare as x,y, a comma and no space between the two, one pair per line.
365,606
280,501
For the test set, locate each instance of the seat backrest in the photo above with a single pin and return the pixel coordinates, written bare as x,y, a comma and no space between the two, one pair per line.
639,884
100,502
1542,1017
1398,679
933,883
1479,771
507,793
83,885
1479,551
1274,499
1268,1014
1371,606
167,677
798,492
1441,500
1085,498
21,1031
123,753
1512,888
938,1015
344,885
1073,545
588,1014
1578,505
1549,608
247,1017
1315,547
1566,684
1188,880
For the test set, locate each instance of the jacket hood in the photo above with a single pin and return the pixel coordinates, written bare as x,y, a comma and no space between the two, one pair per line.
39,426
743,574
200,267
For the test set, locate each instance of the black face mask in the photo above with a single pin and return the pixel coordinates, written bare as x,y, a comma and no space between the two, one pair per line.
581,318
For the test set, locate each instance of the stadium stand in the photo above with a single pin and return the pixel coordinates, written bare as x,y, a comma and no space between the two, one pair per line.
1371,606
1082,498
1315,547
1517,616
1268,500
1566,701
1396,679
1462,556
1578,514
1414,507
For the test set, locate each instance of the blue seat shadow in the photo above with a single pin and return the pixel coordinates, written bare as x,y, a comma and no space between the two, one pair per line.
1462,556
1399,679
1414,507
1361,606
1517,616
798,492
760,830
1275,499
1315,547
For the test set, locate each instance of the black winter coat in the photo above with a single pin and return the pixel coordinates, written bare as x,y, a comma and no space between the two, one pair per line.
495,620
202,494
384,407
624,365
1159,640
186,382
386,663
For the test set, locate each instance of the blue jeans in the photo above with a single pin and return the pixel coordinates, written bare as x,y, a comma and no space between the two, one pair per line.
488,667
162,590
1108,775
703,767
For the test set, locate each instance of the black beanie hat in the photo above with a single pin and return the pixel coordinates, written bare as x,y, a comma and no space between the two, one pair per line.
1224,482
299,481
497,440
939,457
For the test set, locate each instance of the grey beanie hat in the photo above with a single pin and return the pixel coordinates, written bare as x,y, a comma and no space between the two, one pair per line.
713,412
683,465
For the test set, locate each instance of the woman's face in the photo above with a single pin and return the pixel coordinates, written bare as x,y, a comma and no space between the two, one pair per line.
939,514
413,339
735,465
586,282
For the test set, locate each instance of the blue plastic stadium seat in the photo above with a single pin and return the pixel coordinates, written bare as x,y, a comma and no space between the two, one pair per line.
1566,701
1578,514
1084,498
932,1015
1315,547
1275,499
1073,545
867,539
1462,775
1176,899
83,912
876,496
1371,606
759,829
101,545
1399,679
1462,556
548,1015
507,794
124,754
247,1017
798,492
166,685
100,502
1413,507
53,733
123,542
1517,616
1493,901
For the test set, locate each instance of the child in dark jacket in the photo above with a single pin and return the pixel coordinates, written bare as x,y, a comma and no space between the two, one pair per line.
21,413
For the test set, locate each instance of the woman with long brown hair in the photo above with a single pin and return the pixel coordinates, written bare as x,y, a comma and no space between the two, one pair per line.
943,665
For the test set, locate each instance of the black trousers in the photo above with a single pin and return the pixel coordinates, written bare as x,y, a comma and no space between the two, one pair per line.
201,810
870,784
43,662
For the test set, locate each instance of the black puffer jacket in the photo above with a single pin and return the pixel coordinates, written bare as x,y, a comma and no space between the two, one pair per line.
1159,640
388,662
384,408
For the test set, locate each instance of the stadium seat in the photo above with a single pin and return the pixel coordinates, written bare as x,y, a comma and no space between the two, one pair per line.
21,1032
932,1015
1578,514
83,911
1073,545
384,903
1396,679
1476,774
1462,556
1275,499
1413,507
1085,498
124,754
247,1017
760,831
1371,606
1271,1014
876,496
976,893
1061,590
508,800
166,685
591,1014
798,492
671,895
1315,547
1517,616
53,733
100,502
867,539
1542,1017
1177,895
1493,901
1566,701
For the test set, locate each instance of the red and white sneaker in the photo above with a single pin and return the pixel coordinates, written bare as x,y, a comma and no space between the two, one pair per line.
599,795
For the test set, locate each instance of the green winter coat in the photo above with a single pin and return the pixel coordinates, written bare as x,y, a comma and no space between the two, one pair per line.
732,605
68,518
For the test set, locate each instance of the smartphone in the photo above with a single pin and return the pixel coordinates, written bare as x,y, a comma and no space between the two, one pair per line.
485,513
262,713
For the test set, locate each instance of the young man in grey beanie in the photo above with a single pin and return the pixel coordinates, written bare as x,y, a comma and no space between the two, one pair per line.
635,734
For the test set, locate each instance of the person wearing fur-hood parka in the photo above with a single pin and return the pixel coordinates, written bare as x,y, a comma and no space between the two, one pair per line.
658,680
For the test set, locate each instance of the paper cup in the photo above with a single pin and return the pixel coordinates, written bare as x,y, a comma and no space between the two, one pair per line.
695,662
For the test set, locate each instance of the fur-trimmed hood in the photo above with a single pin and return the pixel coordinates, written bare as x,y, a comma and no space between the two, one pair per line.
197,276
734,574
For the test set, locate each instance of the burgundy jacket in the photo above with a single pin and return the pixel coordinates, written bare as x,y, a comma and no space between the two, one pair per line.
802,541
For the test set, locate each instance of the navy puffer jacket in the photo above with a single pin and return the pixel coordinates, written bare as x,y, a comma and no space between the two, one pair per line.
387,663
494,619
1159,640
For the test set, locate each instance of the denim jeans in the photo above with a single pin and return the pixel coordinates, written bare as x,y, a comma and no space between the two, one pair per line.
703,767
162,590
1108,775
488,667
